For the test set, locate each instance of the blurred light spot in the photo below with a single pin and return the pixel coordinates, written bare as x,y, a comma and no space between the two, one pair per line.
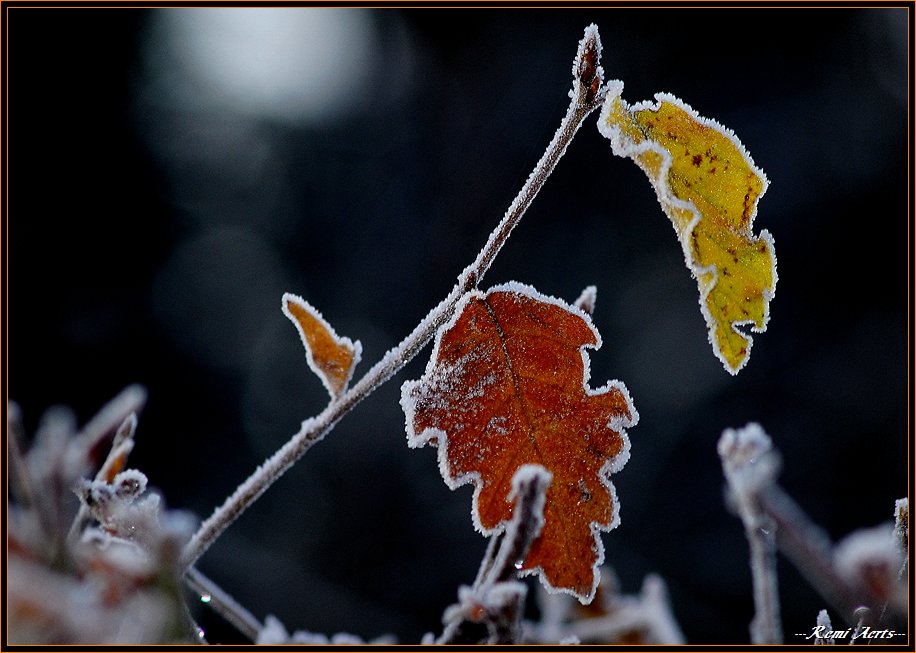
216,293
294,64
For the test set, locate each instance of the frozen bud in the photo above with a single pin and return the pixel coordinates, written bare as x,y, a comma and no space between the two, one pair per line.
97,495
129,484
748,458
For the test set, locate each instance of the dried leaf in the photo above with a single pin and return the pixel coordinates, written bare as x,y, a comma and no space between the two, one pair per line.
708,186
507,385
330,356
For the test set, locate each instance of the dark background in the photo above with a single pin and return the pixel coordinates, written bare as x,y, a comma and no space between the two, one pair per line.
154,223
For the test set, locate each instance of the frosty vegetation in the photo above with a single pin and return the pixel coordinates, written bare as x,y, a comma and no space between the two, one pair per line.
95,557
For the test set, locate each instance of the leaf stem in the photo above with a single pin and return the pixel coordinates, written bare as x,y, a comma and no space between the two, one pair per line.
587,95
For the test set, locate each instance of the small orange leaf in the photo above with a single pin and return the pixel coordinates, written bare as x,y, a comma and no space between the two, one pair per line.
330,356
507,385
708,186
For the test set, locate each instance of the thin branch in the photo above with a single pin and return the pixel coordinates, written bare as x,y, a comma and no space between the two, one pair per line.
750,466
530,492
587,95
811,552
226,606
490,610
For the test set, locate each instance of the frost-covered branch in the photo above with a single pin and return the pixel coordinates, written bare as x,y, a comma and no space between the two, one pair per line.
750,465
220,601
586,95
855,577
810,550
490,610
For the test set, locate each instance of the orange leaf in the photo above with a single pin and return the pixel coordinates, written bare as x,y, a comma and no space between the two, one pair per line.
507,385
330,356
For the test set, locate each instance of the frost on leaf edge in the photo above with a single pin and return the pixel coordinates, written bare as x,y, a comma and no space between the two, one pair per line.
341,341
624,147
611,465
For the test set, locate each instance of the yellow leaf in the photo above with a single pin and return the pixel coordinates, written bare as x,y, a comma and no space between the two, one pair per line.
330,356
708,186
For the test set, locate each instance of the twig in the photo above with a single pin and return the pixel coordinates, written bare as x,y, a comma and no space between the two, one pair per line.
771,509
750,466
811,552
490,610
226,606
121,447
587,95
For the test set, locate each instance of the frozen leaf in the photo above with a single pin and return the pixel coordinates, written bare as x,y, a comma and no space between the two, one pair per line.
708,186
507,386
330,356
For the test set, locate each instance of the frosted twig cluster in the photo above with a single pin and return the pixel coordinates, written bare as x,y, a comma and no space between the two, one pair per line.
860,577
107,572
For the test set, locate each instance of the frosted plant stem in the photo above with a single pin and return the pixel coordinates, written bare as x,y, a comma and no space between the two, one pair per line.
217,598
765,628
750,467
811,552
587,95
751,464
490,610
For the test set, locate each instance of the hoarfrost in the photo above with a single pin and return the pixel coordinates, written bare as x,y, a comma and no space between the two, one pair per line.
625,147
334,379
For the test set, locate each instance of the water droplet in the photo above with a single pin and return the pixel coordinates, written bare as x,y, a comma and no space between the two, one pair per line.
200,633
205,598
519,564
